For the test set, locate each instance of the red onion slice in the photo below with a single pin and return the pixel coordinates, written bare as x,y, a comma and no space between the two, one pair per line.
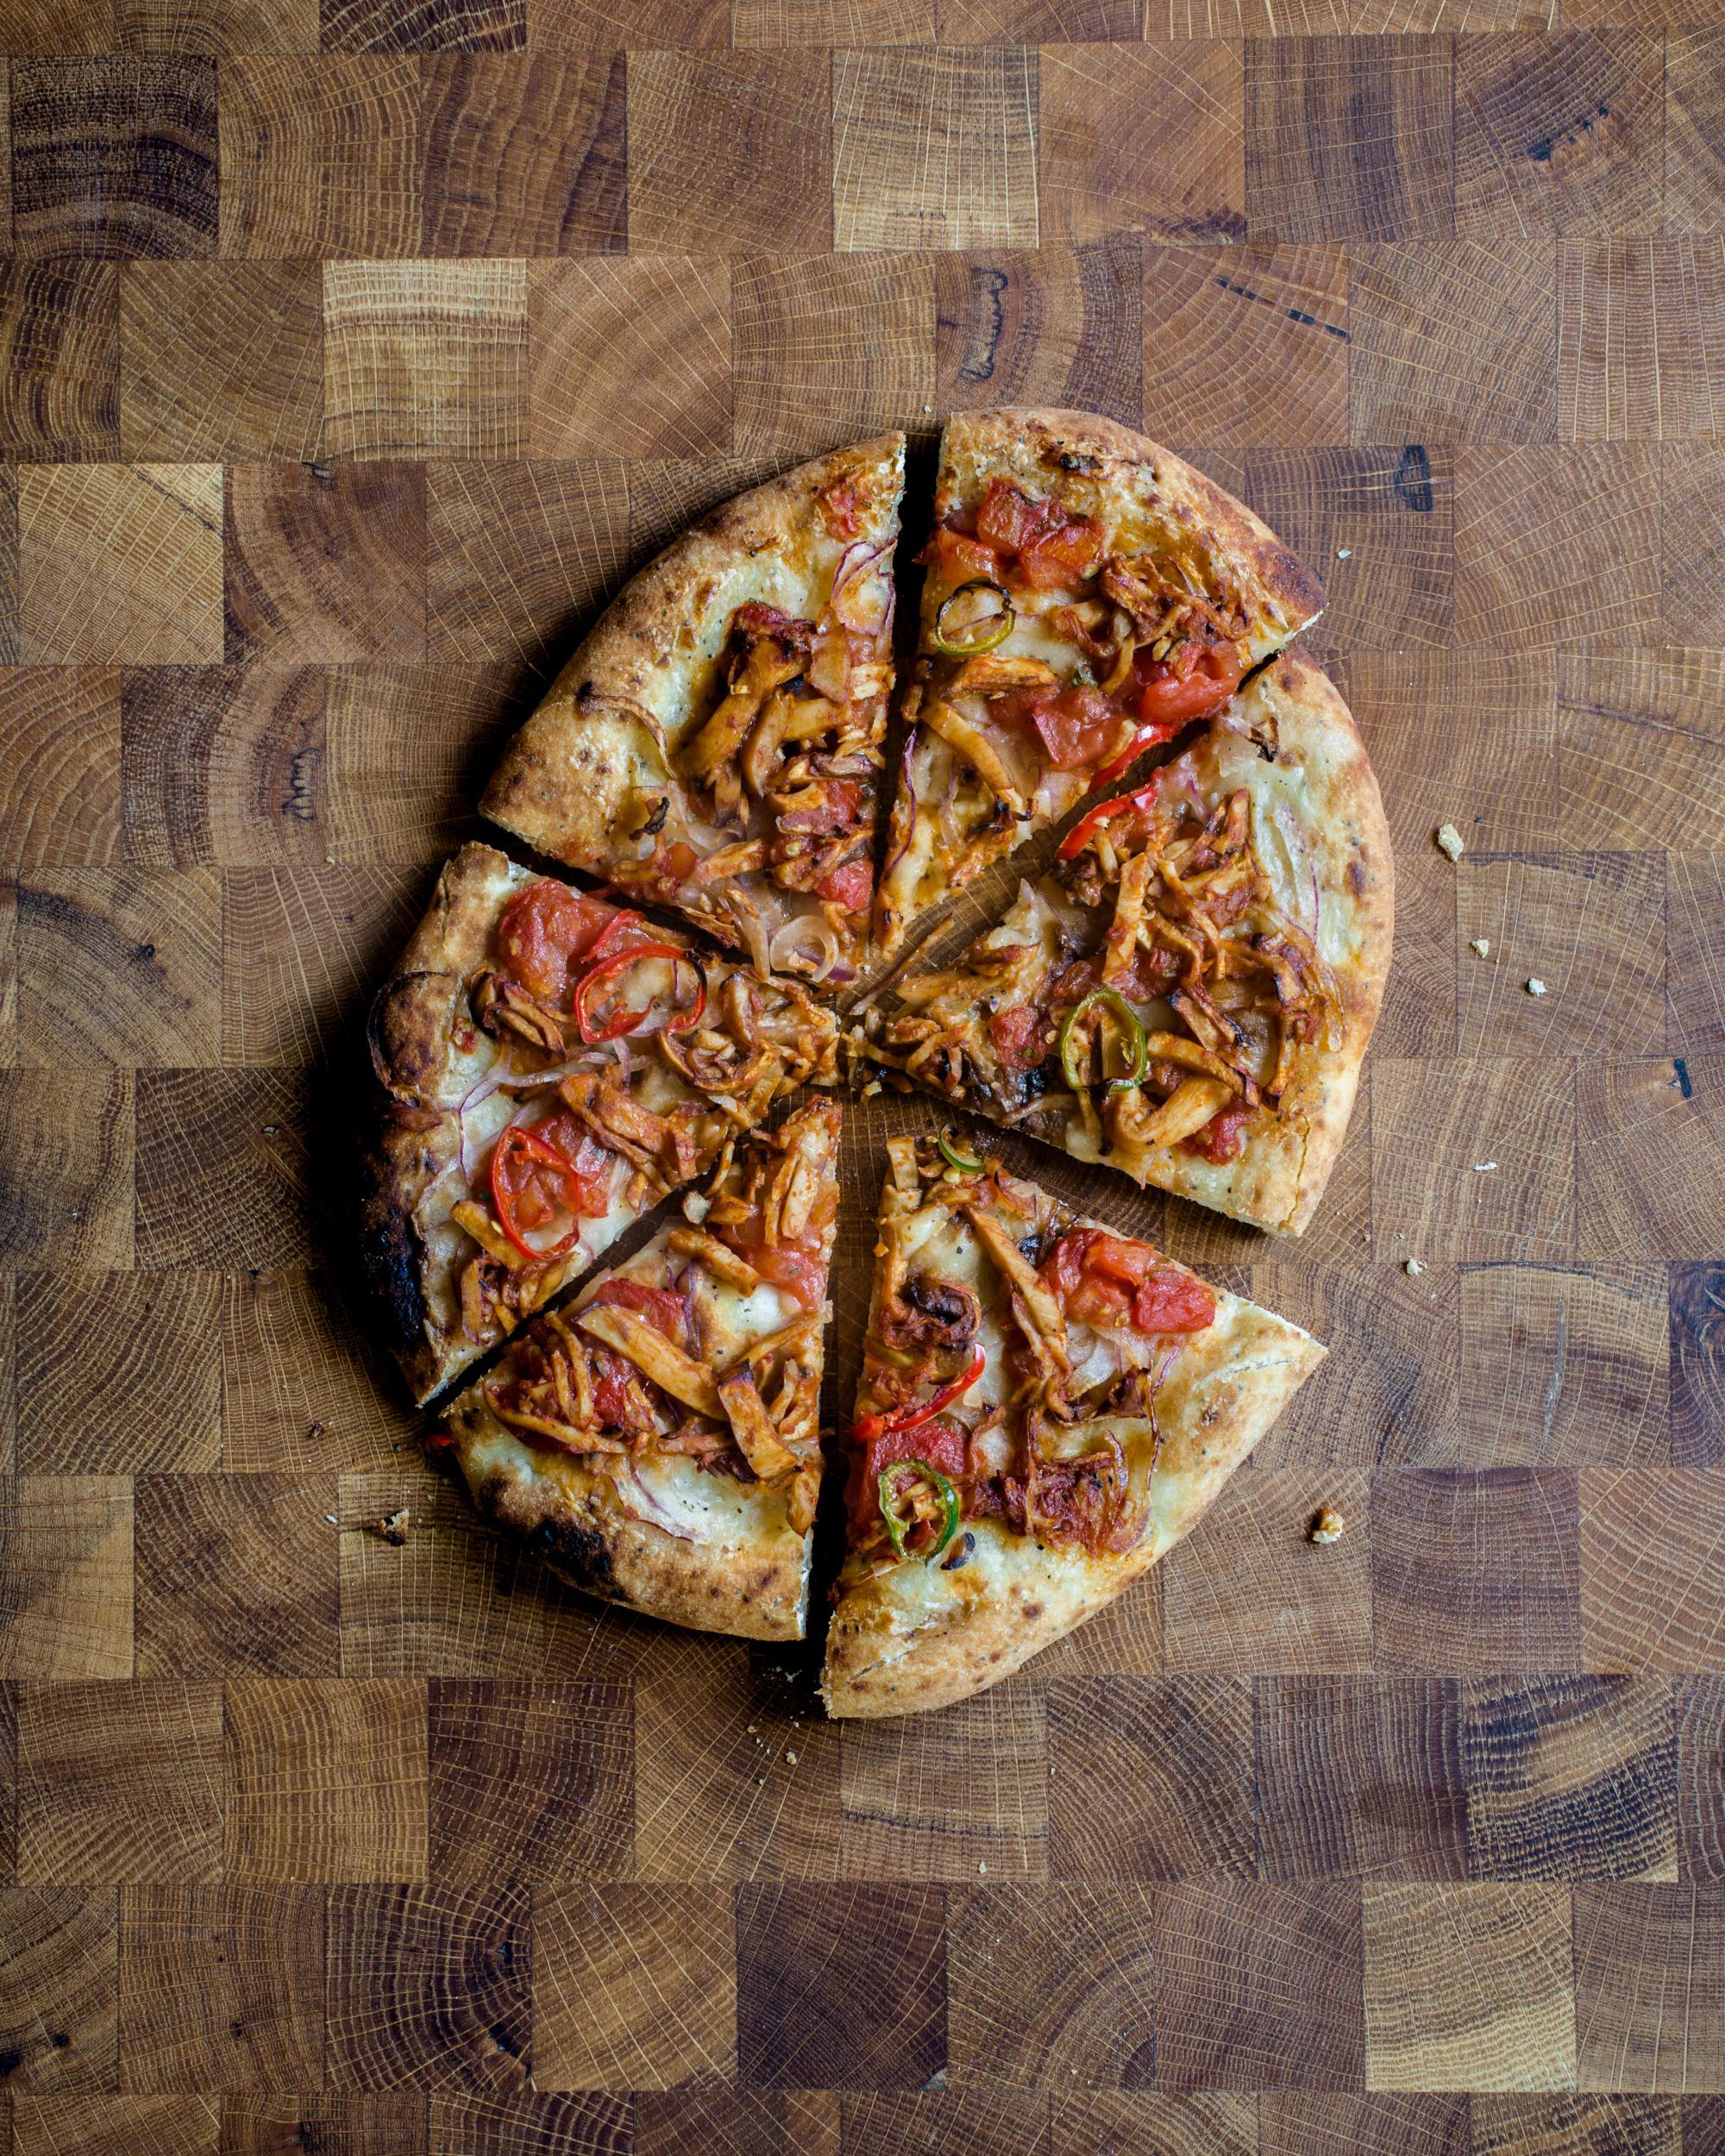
867,609
907,792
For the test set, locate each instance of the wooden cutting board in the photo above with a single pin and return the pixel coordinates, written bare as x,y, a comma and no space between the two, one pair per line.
347,366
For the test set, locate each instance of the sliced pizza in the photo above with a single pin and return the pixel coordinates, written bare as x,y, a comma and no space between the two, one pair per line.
1188,994
551,1066
657,1440
714,744
1087,597
1046,1408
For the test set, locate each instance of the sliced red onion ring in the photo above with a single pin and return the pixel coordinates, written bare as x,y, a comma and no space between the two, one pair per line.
852,602
908,793
1301,870
807,936
653,1513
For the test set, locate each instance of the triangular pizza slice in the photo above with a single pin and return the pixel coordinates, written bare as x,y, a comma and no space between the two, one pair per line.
1188,994
656,1440
1087,595
1046,1408
714,744
550,1066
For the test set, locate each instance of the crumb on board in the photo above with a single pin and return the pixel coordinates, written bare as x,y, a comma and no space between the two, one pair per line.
1449,842
1535,985
1327,1526
393,1526
1413,1269
1480,946
1485,1167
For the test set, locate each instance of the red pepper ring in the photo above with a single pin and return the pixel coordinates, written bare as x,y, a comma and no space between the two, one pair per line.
624,1022
1093,819
515,1140
606,942
867,1428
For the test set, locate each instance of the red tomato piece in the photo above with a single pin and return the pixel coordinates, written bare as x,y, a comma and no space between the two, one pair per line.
1172,691
801,1277
955,558
1011,521
590,1163
1063,557
1020,1035
1223,1137
1076,727
850,887
665,1311
1106,1279
841,507
672,866
943,1444
612,1373
542,930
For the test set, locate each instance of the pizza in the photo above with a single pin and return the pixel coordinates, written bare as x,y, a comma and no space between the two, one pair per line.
550,1066
1046,1407
1188,994
656,1440
1085,596
714,744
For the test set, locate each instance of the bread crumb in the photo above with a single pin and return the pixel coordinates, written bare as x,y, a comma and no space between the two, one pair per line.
1413,1269
1449,842
1480,946
393,1527
1536,986
1485,1167
981,1866
1327,1525
1344,553
790,1758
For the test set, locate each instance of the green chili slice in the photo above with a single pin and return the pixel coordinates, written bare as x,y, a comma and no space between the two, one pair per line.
1137,1052
950,1154
897,1528
965,640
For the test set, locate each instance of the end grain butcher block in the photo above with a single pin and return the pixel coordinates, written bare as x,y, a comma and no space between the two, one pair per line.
352,359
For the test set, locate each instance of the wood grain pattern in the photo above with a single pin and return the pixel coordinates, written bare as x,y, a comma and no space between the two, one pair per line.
350,359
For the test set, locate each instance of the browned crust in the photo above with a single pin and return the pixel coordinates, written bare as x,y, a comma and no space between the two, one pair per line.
558,782
1030,442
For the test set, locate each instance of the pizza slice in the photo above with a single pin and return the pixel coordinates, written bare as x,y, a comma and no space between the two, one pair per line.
551,1066
1046,1408
657,1440
714,743
1087,595
1188,994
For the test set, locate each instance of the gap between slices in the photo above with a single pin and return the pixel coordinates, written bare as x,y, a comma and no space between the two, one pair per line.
1046,1407
657,1439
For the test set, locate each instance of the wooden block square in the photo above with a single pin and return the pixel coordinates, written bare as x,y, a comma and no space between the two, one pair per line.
1056,326
1150,1778
8,567
1390,2125
59,359
221,360
1378,525
1468,1987
802,1946
1647,1586
1694,910
343,2124
120,561
222,28
939,1796
409,749
1452,340
628,357
114,157
1589,2125
1050,1987
1694,146
457,1600
1476,1572
1321,115
325,563
1633,1120
531,1778
496,2121
57,1990
222,764
305,1382
429,25
1697,1366
717,1793
1386,1391
1082,2121
1644,743
775,22
935,148
119,1784
1650,1987
1245,345
1258,1986
1360,1777
688,2121
1556,546
78,25
114,2125
1565,1366
221,1987
321,156
634,1986
520,555
236,1573
1698,1704
1693,558
118,968
93,1350
607,25
1571,1778
1562,132
939,2122
1636,320
1246,1593
428,1987
425,359
1472,1158
1137,138
788,367
65,1562
730,151
248,1202
304,947
525,153
326,1778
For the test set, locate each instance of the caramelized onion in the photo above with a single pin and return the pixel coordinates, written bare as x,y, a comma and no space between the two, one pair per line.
805,944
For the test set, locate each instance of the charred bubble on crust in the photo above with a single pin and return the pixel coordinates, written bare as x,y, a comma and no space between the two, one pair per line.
406,1034
392,1258
580,1554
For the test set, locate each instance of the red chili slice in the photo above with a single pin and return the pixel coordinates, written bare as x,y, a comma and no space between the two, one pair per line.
1093,819
867,1428
522,1153
627,1021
